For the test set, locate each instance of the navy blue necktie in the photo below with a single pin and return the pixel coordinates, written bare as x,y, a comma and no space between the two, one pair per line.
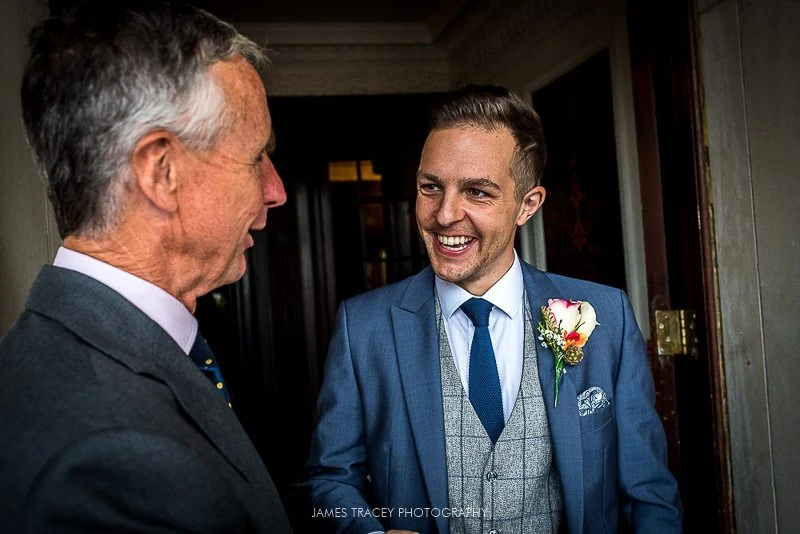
484,382
204,358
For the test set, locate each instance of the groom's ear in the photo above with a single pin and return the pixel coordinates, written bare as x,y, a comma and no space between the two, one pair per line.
531,203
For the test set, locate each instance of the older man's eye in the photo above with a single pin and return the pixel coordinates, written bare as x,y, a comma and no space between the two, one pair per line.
476,193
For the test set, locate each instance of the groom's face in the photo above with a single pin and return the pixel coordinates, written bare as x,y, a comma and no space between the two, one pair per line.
467,211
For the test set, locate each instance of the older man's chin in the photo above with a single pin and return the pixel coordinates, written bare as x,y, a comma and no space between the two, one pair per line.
241,267
233,272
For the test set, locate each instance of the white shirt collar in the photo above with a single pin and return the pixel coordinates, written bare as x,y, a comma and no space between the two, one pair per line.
505,294
164,309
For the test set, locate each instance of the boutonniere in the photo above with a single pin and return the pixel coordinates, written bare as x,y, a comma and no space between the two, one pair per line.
564,328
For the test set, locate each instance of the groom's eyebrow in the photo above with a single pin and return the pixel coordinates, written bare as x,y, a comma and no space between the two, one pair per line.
478,183
463,183
424,175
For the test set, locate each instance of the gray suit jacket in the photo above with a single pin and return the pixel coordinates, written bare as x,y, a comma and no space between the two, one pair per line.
108,426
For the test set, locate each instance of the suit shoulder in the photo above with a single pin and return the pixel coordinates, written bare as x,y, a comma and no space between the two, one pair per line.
567,284
43,347
383,298
582,285
609,302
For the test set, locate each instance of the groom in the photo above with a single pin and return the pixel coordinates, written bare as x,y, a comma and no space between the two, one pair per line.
439,410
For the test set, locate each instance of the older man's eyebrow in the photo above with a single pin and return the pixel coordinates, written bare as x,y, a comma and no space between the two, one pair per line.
269,147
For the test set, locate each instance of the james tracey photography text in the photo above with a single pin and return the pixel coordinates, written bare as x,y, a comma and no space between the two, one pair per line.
343,512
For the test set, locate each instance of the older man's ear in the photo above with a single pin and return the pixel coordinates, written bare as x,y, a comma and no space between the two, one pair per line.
154,165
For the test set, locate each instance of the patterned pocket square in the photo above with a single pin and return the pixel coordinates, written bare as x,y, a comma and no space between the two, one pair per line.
592,400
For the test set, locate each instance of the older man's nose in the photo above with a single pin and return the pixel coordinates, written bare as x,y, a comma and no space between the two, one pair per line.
274,192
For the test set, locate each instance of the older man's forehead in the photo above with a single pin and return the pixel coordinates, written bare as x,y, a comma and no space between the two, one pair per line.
244,91
239,76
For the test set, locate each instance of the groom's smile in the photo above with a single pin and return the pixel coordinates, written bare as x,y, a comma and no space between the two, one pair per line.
467,212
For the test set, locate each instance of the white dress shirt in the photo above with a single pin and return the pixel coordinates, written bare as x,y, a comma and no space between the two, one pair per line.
506,328
164,309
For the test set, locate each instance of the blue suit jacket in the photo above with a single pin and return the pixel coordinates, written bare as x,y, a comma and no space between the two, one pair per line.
377,457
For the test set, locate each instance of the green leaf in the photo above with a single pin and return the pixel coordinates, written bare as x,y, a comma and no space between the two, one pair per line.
559,373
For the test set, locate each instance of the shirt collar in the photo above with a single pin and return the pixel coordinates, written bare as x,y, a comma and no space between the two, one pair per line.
505,294
164,309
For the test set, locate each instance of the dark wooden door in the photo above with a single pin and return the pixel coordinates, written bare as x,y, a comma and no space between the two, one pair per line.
583,228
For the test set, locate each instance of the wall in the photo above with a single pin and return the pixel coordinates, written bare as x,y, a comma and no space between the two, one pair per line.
26,238
751,56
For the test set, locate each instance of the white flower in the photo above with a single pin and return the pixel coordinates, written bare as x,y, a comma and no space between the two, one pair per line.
574,318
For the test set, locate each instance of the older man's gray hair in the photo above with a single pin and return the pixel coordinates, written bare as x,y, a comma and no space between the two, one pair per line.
100,78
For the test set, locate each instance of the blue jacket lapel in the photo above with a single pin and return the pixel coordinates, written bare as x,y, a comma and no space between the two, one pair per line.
565,431
414,323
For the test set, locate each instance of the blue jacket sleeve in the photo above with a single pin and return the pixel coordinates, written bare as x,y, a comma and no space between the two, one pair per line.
337,466
648,491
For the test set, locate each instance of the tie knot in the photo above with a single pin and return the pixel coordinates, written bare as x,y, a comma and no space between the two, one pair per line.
478,311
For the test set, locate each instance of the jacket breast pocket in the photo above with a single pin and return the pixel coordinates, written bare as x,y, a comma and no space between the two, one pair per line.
600,419
599,447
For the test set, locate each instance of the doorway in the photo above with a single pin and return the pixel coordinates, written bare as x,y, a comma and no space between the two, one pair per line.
584,238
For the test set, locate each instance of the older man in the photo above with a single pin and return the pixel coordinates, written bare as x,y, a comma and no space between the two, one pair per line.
151,125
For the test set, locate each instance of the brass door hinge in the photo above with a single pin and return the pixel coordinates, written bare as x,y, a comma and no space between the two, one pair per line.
676,332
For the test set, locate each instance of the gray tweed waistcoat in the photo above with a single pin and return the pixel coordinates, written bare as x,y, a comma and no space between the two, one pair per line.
513,484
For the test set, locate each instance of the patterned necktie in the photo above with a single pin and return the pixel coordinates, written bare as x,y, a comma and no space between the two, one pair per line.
204,358
484,382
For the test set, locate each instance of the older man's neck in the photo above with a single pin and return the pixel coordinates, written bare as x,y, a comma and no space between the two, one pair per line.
140,258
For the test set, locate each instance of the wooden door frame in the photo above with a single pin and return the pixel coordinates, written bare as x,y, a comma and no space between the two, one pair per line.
653,53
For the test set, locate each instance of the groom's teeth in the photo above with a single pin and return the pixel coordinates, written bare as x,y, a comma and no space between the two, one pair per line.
452,241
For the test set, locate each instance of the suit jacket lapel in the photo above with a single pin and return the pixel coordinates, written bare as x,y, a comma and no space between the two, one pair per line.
116,327
565,431
201,401
417,347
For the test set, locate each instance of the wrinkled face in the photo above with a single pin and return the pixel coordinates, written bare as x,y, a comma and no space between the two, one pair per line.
231,186
467,213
